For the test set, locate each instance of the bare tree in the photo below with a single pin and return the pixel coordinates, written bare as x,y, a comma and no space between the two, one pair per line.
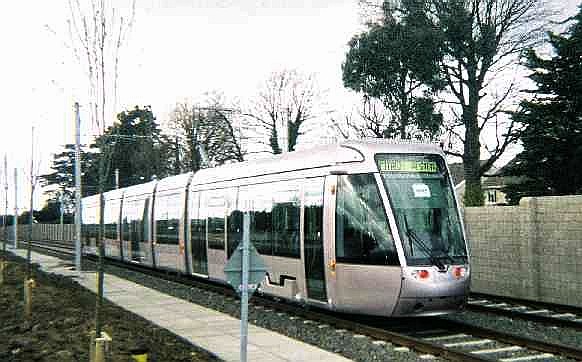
98,31
481,44
211,128
287,100
371,121
492,35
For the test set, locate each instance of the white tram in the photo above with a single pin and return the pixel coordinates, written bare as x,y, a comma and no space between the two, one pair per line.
366,226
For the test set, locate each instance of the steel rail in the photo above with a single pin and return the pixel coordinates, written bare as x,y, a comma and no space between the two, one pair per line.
513,339
562,308
553,316
417,344
537,318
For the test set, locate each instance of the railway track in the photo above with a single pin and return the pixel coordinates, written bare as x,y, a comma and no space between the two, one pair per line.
444,338
546,313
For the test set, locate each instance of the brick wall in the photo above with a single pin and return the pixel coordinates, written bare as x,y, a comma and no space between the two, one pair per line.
531,251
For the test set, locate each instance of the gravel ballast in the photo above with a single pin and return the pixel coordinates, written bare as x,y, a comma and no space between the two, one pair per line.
347,343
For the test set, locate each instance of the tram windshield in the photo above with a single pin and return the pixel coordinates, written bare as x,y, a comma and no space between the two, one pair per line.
424,207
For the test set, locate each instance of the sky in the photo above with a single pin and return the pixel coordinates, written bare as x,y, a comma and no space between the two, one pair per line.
176,50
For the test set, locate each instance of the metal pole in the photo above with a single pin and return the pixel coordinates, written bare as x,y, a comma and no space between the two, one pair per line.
15,208
31,219
62,211
116,178
5,218
244,303
77,189
6,194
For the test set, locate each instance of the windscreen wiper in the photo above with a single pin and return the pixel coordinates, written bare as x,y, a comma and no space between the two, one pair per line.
420,243
446,257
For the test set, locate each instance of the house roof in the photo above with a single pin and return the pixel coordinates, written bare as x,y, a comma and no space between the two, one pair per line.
492,179
457,172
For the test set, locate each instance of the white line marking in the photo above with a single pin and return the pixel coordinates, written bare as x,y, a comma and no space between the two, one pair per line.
427,356
498,350
497,305
564,315
527,358
482,301
442,338
537,311
468,343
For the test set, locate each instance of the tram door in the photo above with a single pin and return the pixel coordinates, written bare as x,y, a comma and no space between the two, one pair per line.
199,261
313,240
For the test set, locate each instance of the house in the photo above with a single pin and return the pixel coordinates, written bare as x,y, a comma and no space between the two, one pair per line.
492,184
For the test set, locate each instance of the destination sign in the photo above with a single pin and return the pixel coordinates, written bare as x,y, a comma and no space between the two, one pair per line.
407,165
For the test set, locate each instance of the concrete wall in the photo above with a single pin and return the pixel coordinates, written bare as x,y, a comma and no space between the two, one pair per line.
531,251
47,232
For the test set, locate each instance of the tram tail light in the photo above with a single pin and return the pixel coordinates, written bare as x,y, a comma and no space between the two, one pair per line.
459,272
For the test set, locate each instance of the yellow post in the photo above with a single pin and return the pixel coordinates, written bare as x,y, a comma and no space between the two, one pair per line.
28,286
2,271
139,356
100,348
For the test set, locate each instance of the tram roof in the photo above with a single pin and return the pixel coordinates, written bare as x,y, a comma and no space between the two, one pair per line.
138,190
317,157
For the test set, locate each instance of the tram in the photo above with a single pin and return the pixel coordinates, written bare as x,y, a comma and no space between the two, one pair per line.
369,227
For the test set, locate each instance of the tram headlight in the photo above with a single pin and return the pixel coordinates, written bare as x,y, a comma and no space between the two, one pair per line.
421,274
459,272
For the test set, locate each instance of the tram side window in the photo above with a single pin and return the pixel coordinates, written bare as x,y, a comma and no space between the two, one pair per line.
235,232
111,219
132,221
261,227
362,232
167,211
197,223
89,227
216,208
275,217
125,229
286,225
126,222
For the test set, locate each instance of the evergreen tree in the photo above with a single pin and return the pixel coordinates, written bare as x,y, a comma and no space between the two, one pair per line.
139,150
397,62
552,120
62,178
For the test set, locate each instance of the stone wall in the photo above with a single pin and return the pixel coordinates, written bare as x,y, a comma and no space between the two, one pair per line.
531,251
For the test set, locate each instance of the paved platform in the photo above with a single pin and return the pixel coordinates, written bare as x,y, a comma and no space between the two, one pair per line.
213,331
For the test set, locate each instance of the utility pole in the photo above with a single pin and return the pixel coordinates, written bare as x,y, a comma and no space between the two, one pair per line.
6,197
77,189
3,259
62,211
5,218
31,216
28,281
15,208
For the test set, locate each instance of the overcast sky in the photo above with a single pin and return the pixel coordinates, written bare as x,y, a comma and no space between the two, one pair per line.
177,50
